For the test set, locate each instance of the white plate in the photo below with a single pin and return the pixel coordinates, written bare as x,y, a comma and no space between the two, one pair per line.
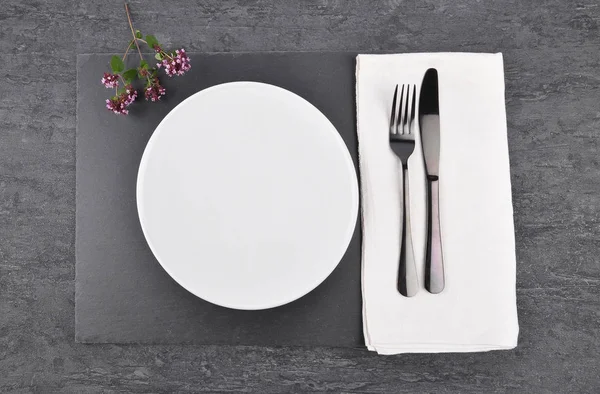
247,195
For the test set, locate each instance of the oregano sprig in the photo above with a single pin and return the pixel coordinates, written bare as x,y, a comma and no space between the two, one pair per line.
172,62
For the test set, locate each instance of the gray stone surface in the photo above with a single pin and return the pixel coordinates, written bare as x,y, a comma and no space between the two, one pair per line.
122,294
552,54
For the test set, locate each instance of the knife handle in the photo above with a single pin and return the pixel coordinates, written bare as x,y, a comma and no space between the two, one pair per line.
434,263
408,283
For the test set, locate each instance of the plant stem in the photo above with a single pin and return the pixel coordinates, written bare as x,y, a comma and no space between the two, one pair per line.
127,50
166,54
132,31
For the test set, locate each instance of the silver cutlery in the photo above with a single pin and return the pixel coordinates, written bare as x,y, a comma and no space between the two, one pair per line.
402,142
429,121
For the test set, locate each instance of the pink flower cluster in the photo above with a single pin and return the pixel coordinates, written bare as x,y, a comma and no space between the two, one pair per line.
119,104
175,64
110,80
154,90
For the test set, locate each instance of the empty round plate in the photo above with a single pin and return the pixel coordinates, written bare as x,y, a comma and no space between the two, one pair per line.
247,195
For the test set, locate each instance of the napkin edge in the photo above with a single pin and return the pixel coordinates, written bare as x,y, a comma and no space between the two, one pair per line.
361,211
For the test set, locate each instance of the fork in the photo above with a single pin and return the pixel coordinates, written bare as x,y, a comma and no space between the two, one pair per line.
402,142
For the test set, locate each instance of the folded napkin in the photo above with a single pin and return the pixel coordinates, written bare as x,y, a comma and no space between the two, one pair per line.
477,309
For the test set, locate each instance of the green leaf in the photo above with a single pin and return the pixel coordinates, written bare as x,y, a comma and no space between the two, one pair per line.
121,91
130,75
138,34
158,56
116,64
144,64
151,40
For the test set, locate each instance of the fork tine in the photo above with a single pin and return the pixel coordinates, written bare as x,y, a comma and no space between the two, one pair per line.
401,116
412,110
405,120
393,119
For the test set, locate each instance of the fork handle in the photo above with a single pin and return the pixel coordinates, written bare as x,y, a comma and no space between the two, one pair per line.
408,283
434,263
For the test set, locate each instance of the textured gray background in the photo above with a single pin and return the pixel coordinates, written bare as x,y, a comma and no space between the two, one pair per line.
552,57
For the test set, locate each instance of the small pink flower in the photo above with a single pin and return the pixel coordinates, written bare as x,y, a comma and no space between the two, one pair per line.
154,90
110,80
176,63
130,94
119,104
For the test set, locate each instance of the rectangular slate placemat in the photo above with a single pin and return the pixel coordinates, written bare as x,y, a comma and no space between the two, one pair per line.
122,294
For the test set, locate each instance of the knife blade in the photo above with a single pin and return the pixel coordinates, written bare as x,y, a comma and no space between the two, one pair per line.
429,121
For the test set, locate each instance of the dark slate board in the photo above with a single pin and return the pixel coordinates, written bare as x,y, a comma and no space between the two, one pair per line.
122,295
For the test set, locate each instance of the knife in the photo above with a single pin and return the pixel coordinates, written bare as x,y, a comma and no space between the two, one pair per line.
429,121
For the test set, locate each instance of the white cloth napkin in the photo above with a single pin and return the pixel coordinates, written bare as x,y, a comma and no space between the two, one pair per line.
477,309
